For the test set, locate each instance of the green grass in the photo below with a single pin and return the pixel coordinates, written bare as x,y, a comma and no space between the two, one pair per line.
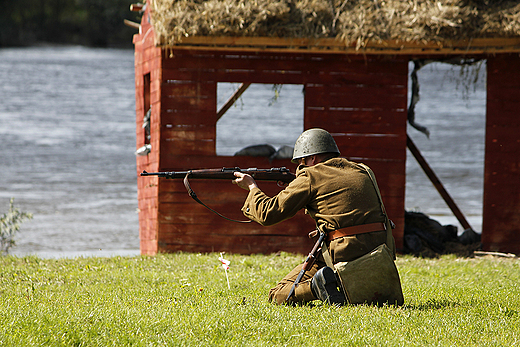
183,300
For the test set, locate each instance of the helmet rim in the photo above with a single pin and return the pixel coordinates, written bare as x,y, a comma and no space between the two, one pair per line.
314,141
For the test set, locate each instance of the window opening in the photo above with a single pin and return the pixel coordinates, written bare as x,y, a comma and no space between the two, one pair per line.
147,108
269,117
452,107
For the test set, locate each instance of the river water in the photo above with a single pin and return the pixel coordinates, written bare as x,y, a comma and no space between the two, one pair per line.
67,121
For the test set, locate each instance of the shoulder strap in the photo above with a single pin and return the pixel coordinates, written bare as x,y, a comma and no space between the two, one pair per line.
390,242
326,255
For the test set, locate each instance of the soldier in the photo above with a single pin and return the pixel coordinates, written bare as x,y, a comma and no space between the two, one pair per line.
341,198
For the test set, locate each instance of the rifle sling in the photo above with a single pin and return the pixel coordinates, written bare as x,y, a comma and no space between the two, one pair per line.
194,196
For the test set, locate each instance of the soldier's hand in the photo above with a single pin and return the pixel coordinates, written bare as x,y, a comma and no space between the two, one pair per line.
244,181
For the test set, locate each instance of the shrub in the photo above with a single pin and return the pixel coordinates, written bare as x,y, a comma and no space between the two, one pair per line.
10,225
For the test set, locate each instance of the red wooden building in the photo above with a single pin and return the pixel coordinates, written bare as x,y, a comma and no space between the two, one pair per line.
360,96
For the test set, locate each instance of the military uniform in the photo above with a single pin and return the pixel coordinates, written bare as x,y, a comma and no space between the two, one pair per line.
336,193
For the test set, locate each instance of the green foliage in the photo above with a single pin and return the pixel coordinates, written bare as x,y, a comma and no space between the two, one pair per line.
10,225
183,300
85,22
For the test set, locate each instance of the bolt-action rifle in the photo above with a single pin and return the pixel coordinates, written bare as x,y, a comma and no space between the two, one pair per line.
307,264
279,174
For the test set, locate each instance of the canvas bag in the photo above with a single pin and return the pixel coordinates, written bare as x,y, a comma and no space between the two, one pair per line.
372,278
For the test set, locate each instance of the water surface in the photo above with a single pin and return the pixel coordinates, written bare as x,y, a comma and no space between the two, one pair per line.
67,121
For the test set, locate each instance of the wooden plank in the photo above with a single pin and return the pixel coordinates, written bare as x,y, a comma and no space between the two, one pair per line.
354,124
362,154
189,89
282,63
501,224
395,90
174,146
244,245
148,247
506,142
205,235
186,119
499,113
200,96
241,76
202,103
147,188
236,68
199,133
312,74
385,142
493,106
506,93
363,116
504,134
379,126
212,191
502,196
369,101
503,71
332,46
209,238
299,225
503,163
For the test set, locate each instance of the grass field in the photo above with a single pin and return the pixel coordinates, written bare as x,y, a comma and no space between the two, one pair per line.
183,300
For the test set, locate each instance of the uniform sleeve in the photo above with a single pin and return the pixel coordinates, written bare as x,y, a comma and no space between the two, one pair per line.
267,210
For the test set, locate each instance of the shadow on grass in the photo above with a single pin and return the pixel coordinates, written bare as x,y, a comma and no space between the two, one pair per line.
432,304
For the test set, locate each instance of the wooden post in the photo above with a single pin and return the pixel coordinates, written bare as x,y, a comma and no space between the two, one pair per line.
241,89
437,183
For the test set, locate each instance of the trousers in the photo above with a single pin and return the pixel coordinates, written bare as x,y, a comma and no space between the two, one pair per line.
303,292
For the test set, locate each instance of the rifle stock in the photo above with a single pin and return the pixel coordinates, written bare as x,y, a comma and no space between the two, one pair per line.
281,174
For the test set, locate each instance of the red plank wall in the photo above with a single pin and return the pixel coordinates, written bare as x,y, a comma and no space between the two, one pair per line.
360,100
501,214
147,62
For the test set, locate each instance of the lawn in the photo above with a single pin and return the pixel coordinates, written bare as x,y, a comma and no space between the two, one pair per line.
183,299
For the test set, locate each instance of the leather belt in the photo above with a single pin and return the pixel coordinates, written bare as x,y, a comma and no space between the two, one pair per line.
356,229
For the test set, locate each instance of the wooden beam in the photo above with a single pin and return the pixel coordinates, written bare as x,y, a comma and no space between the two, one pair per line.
241,89
437,183
132,24
331,45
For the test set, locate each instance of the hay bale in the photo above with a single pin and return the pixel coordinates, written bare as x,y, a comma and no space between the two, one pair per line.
357,21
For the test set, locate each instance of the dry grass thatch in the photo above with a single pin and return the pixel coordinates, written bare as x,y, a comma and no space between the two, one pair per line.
348,20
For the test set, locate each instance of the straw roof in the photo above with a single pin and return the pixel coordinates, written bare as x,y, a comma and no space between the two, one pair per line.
357,21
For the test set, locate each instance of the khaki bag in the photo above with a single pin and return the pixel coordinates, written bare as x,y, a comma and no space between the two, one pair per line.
371,279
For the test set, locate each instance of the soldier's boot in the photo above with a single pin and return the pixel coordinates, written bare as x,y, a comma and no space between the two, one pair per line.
324,286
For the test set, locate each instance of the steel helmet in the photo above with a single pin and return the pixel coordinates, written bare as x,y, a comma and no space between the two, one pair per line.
314,141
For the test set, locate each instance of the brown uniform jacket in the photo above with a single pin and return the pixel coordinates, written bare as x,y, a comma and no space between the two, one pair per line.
337,193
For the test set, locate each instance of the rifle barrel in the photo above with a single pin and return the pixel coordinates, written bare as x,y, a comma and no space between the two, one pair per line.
281,174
